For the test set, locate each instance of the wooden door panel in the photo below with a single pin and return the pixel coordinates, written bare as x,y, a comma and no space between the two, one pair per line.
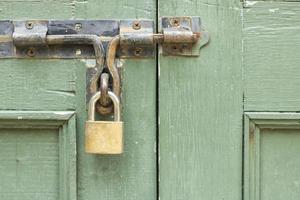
270,70
29,164
271,156
60,85
201,107
271,56
37,155
280,175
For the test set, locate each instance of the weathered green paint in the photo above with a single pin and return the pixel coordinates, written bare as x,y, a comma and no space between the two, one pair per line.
41,84
201,102
271,152
271,56
253,53
60,85
37,155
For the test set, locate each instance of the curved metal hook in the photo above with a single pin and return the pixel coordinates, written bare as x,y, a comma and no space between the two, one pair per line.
115,99
104,99
110,59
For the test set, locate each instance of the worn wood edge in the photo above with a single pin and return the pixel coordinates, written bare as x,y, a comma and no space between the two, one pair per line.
67,164
252,3
36,115
72,159
246,181
272,115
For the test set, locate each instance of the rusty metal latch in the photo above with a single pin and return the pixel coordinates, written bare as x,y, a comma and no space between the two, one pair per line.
102,40
179,36
182,36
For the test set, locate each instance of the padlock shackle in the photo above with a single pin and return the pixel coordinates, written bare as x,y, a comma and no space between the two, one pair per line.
96,97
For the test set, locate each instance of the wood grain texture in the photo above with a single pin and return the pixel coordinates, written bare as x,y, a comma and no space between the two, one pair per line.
60,85
201,106
271,148
271,56
115,9
39,84
37,9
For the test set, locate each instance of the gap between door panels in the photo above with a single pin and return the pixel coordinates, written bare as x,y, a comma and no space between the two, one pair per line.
157,103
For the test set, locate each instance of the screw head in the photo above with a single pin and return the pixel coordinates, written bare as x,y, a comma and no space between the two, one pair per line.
175,47
30,52
137,51
136,25
78,26
176,22
29,25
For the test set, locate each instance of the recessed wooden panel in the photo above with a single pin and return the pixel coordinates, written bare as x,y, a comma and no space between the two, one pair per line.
37,155
29,164
272,148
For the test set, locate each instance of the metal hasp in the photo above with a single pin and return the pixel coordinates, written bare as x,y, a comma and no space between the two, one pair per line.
183,36
102,40
179,36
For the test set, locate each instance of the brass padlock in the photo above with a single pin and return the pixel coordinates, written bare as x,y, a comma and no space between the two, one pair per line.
104,137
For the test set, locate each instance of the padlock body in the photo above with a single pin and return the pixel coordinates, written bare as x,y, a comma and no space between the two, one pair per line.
104,137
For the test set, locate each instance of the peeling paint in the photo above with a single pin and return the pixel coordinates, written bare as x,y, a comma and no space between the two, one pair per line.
288,13
120,62
62,92
78,52
89,63
273,9
250,3
62,113
236,8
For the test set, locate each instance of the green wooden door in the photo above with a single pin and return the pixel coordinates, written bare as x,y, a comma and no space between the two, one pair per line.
220,126
201,108
35,161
